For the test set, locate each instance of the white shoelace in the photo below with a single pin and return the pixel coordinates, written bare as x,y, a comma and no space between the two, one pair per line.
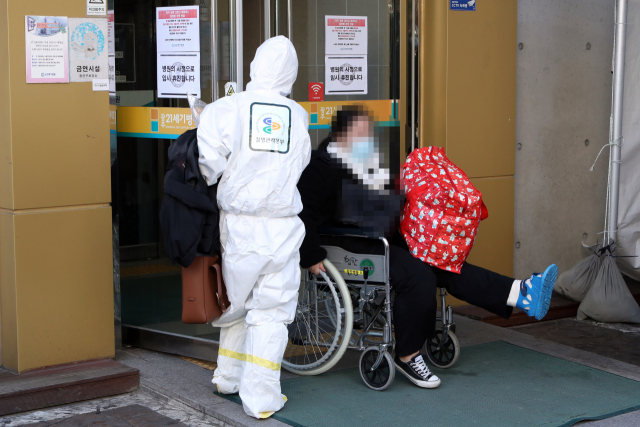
420,367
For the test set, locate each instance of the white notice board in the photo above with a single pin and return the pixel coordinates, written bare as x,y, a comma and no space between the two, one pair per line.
178,73
345,35
345,75
178,29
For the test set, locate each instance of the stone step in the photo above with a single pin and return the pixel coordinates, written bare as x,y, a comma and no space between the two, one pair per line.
65,384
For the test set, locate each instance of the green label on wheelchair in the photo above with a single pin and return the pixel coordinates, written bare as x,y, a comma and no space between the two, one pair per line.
366,263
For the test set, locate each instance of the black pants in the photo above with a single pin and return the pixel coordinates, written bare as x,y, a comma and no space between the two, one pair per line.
416,283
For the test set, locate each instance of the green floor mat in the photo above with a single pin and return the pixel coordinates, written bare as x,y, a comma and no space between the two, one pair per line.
494,384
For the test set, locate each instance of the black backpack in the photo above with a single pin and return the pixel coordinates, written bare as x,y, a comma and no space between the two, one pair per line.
189,212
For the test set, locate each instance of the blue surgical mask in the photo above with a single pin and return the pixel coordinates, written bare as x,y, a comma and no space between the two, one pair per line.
362,149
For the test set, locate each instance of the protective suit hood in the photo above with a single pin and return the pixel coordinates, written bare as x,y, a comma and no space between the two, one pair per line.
275,66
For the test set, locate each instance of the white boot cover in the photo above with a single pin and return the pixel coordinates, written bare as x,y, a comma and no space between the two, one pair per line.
227,375
260,382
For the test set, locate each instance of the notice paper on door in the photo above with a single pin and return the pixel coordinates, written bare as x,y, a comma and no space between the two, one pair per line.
178,50
178,74
178,29
345,75
345,35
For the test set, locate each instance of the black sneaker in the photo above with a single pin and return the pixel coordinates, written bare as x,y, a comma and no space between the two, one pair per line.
417,371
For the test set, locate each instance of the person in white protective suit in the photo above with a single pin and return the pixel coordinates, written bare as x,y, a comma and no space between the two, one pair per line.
257,142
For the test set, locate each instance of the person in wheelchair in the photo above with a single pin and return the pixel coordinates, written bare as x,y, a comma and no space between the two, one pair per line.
347,159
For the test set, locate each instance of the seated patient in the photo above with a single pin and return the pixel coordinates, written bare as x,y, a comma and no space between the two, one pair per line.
349,154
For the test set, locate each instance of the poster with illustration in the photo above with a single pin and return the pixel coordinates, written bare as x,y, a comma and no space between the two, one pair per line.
88,53
47,49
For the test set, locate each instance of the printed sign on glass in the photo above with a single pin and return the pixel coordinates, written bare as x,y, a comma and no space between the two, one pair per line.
270,128
47,49
345,35
178,29
89,55
316,91
178,74
345,75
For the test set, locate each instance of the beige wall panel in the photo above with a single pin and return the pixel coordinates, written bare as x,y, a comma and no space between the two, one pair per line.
6,181
432,78
481,88
8,291
58,130
493,248
65,287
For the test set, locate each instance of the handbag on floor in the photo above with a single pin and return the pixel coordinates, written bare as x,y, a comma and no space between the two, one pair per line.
204,296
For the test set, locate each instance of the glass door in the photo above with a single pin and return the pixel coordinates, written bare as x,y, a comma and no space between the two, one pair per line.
147,62
148,121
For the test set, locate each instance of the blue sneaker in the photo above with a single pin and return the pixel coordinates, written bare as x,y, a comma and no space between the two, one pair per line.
535,292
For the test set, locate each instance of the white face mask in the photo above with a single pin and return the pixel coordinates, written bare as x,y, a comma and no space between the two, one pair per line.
364,161
363,149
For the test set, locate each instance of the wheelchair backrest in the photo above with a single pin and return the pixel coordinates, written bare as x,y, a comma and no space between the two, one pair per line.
351,266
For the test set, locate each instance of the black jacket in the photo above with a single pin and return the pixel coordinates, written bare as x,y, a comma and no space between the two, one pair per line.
331,194
189,211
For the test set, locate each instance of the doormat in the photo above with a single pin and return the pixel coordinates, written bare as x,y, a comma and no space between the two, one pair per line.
494,384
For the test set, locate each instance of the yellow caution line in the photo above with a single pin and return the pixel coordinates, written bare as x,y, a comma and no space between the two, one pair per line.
250,358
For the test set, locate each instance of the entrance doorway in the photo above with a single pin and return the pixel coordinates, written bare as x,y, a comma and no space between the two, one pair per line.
148,296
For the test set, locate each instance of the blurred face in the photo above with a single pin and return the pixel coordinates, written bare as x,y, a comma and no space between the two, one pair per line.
359,130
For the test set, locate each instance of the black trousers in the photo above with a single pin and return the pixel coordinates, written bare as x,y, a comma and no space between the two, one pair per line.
416,284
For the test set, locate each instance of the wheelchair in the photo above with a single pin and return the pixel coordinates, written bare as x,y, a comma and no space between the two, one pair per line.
350,308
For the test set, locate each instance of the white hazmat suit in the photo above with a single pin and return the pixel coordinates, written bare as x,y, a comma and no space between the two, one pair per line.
257,142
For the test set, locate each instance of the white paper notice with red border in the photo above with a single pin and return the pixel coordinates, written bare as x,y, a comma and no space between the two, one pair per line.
345,35
178,29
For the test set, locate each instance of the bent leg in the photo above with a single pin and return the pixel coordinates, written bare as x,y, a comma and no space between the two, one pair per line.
478,286
415,304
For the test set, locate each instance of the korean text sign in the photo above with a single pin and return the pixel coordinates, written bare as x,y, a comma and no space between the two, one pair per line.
345,35
178,29
89,54
47,49
345,75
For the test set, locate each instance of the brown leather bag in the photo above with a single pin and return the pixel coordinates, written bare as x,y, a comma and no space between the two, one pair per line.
204,296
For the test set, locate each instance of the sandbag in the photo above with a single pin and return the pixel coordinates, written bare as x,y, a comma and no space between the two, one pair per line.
576,282
609,299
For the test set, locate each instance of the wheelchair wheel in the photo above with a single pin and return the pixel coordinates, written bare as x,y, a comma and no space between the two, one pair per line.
382,377
448,354
319,334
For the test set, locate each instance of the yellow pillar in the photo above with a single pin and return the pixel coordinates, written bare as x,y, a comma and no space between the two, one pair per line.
467,104
56,290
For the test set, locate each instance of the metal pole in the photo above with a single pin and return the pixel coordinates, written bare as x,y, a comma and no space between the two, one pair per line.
290,19
232,41
618,93
277,17
413,75
214,50
267,19
239,47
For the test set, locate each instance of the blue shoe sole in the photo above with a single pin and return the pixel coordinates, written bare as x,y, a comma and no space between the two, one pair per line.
548,282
